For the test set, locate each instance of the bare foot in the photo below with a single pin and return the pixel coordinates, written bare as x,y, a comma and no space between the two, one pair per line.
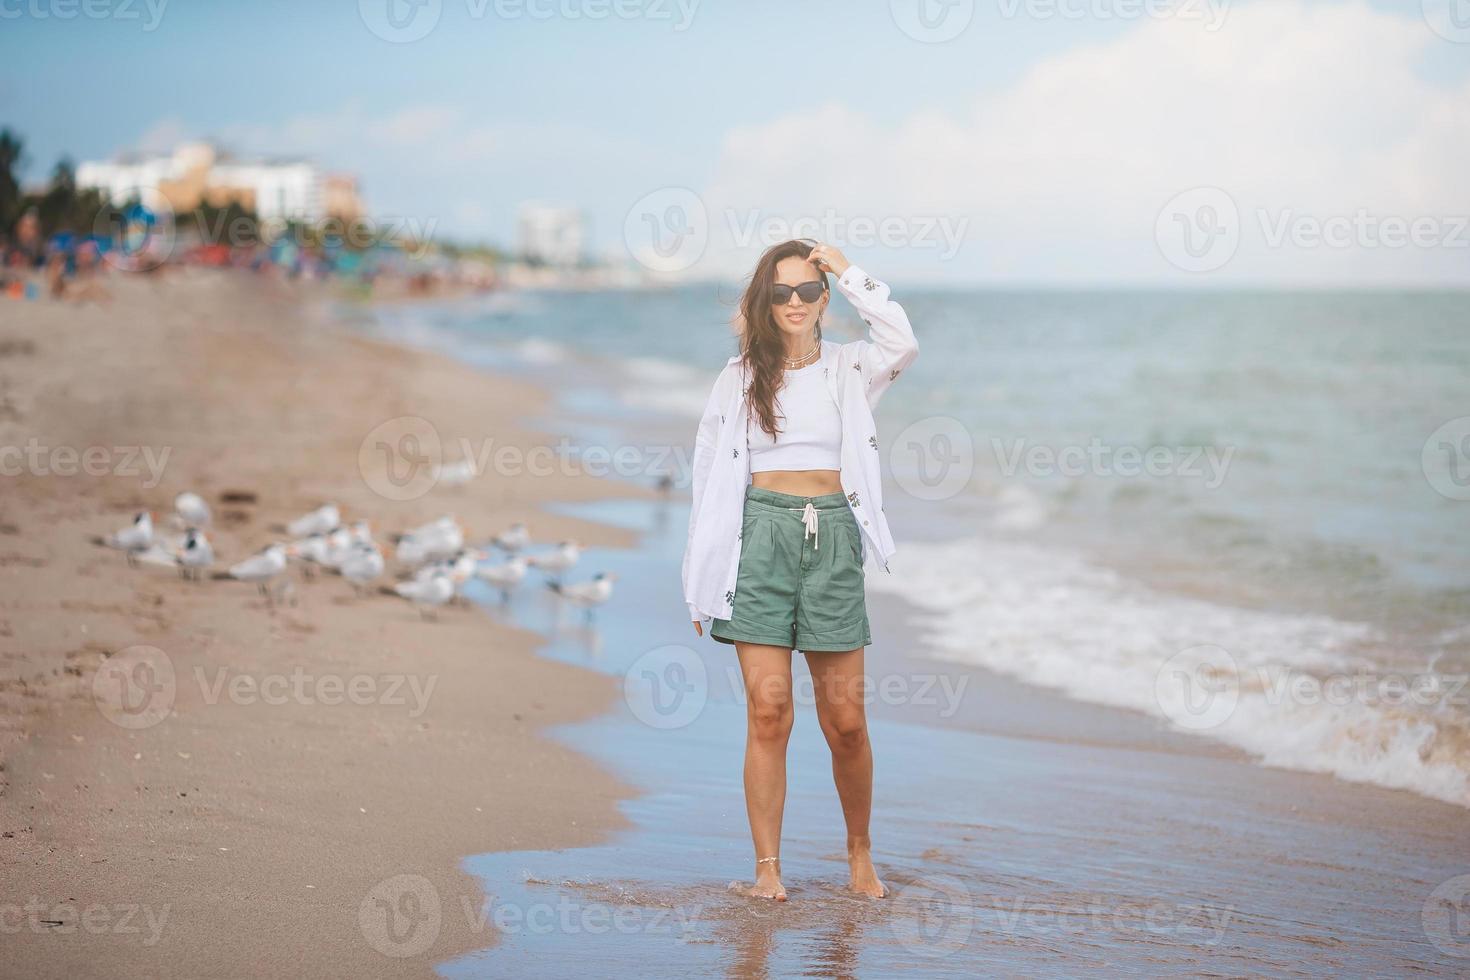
767,882
864,876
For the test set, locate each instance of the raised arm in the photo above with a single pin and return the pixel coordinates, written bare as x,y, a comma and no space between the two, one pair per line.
891,345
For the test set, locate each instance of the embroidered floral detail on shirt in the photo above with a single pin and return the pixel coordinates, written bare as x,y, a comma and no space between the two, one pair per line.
873,441
867,321
729,597
852,498
722,420
734,453
869,284
893,374
857,366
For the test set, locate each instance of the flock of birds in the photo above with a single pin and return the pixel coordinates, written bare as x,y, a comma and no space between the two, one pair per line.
433,563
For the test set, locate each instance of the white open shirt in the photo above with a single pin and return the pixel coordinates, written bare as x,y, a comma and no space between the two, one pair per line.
857,374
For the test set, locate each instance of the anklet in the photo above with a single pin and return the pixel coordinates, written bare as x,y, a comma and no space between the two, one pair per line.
764,860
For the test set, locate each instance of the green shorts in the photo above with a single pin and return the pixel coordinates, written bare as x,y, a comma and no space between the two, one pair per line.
800,582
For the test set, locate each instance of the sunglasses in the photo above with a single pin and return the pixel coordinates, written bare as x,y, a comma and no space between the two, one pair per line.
809,292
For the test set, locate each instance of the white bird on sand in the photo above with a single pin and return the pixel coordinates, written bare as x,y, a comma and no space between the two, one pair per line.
513,538
588,595
311,551
558,561
427,595
439,541
190,510
260,568
323,520
455,474
134,538
362,565
195,555
505,576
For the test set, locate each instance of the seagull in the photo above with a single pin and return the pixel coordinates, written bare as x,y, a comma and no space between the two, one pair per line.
439,541
513,538
505,577
313,550
362,565
195,555
190,510
323,520
427,595
588,595
558,561
455,474
134,538
260,568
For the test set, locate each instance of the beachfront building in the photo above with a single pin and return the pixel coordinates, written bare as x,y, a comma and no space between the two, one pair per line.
198,173
551,234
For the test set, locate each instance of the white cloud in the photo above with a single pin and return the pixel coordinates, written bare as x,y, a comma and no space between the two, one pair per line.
1293,108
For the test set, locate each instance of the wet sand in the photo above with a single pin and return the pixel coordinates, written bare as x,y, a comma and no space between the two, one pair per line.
262,827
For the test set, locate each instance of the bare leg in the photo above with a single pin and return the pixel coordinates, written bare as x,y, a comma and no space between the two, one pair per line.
768,718
837,680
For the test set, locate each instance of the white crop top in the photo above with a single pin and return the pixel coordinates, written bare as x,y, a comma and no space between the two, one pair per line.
808,427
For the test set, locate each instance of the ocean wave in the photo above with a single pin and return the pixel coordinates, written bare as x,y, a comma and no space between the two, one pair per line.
1302,692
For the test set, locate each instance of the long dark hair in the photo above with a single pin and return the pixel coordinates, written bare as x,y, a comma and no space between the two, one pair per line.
762,346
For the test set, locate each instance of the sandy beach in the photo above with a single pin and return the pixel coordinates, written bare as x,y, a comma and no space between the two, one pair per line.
244,833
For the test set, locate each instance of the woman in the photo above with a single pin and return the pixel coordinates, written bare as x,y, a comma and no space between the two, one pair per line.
787,504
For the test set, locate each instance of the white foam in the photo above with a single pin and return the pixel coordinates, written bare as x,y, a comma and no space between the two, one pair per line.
1051,619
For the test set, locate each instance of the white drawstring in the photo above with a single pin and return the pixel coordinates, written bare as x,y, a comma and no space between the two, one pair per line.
809,519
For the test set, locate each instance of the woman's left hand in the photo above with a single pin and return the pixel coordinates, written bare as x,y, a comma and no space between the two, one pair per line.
828,258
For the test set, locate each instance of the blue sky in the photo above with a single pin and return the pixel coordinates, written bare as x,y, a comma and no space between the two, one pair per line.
785,109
